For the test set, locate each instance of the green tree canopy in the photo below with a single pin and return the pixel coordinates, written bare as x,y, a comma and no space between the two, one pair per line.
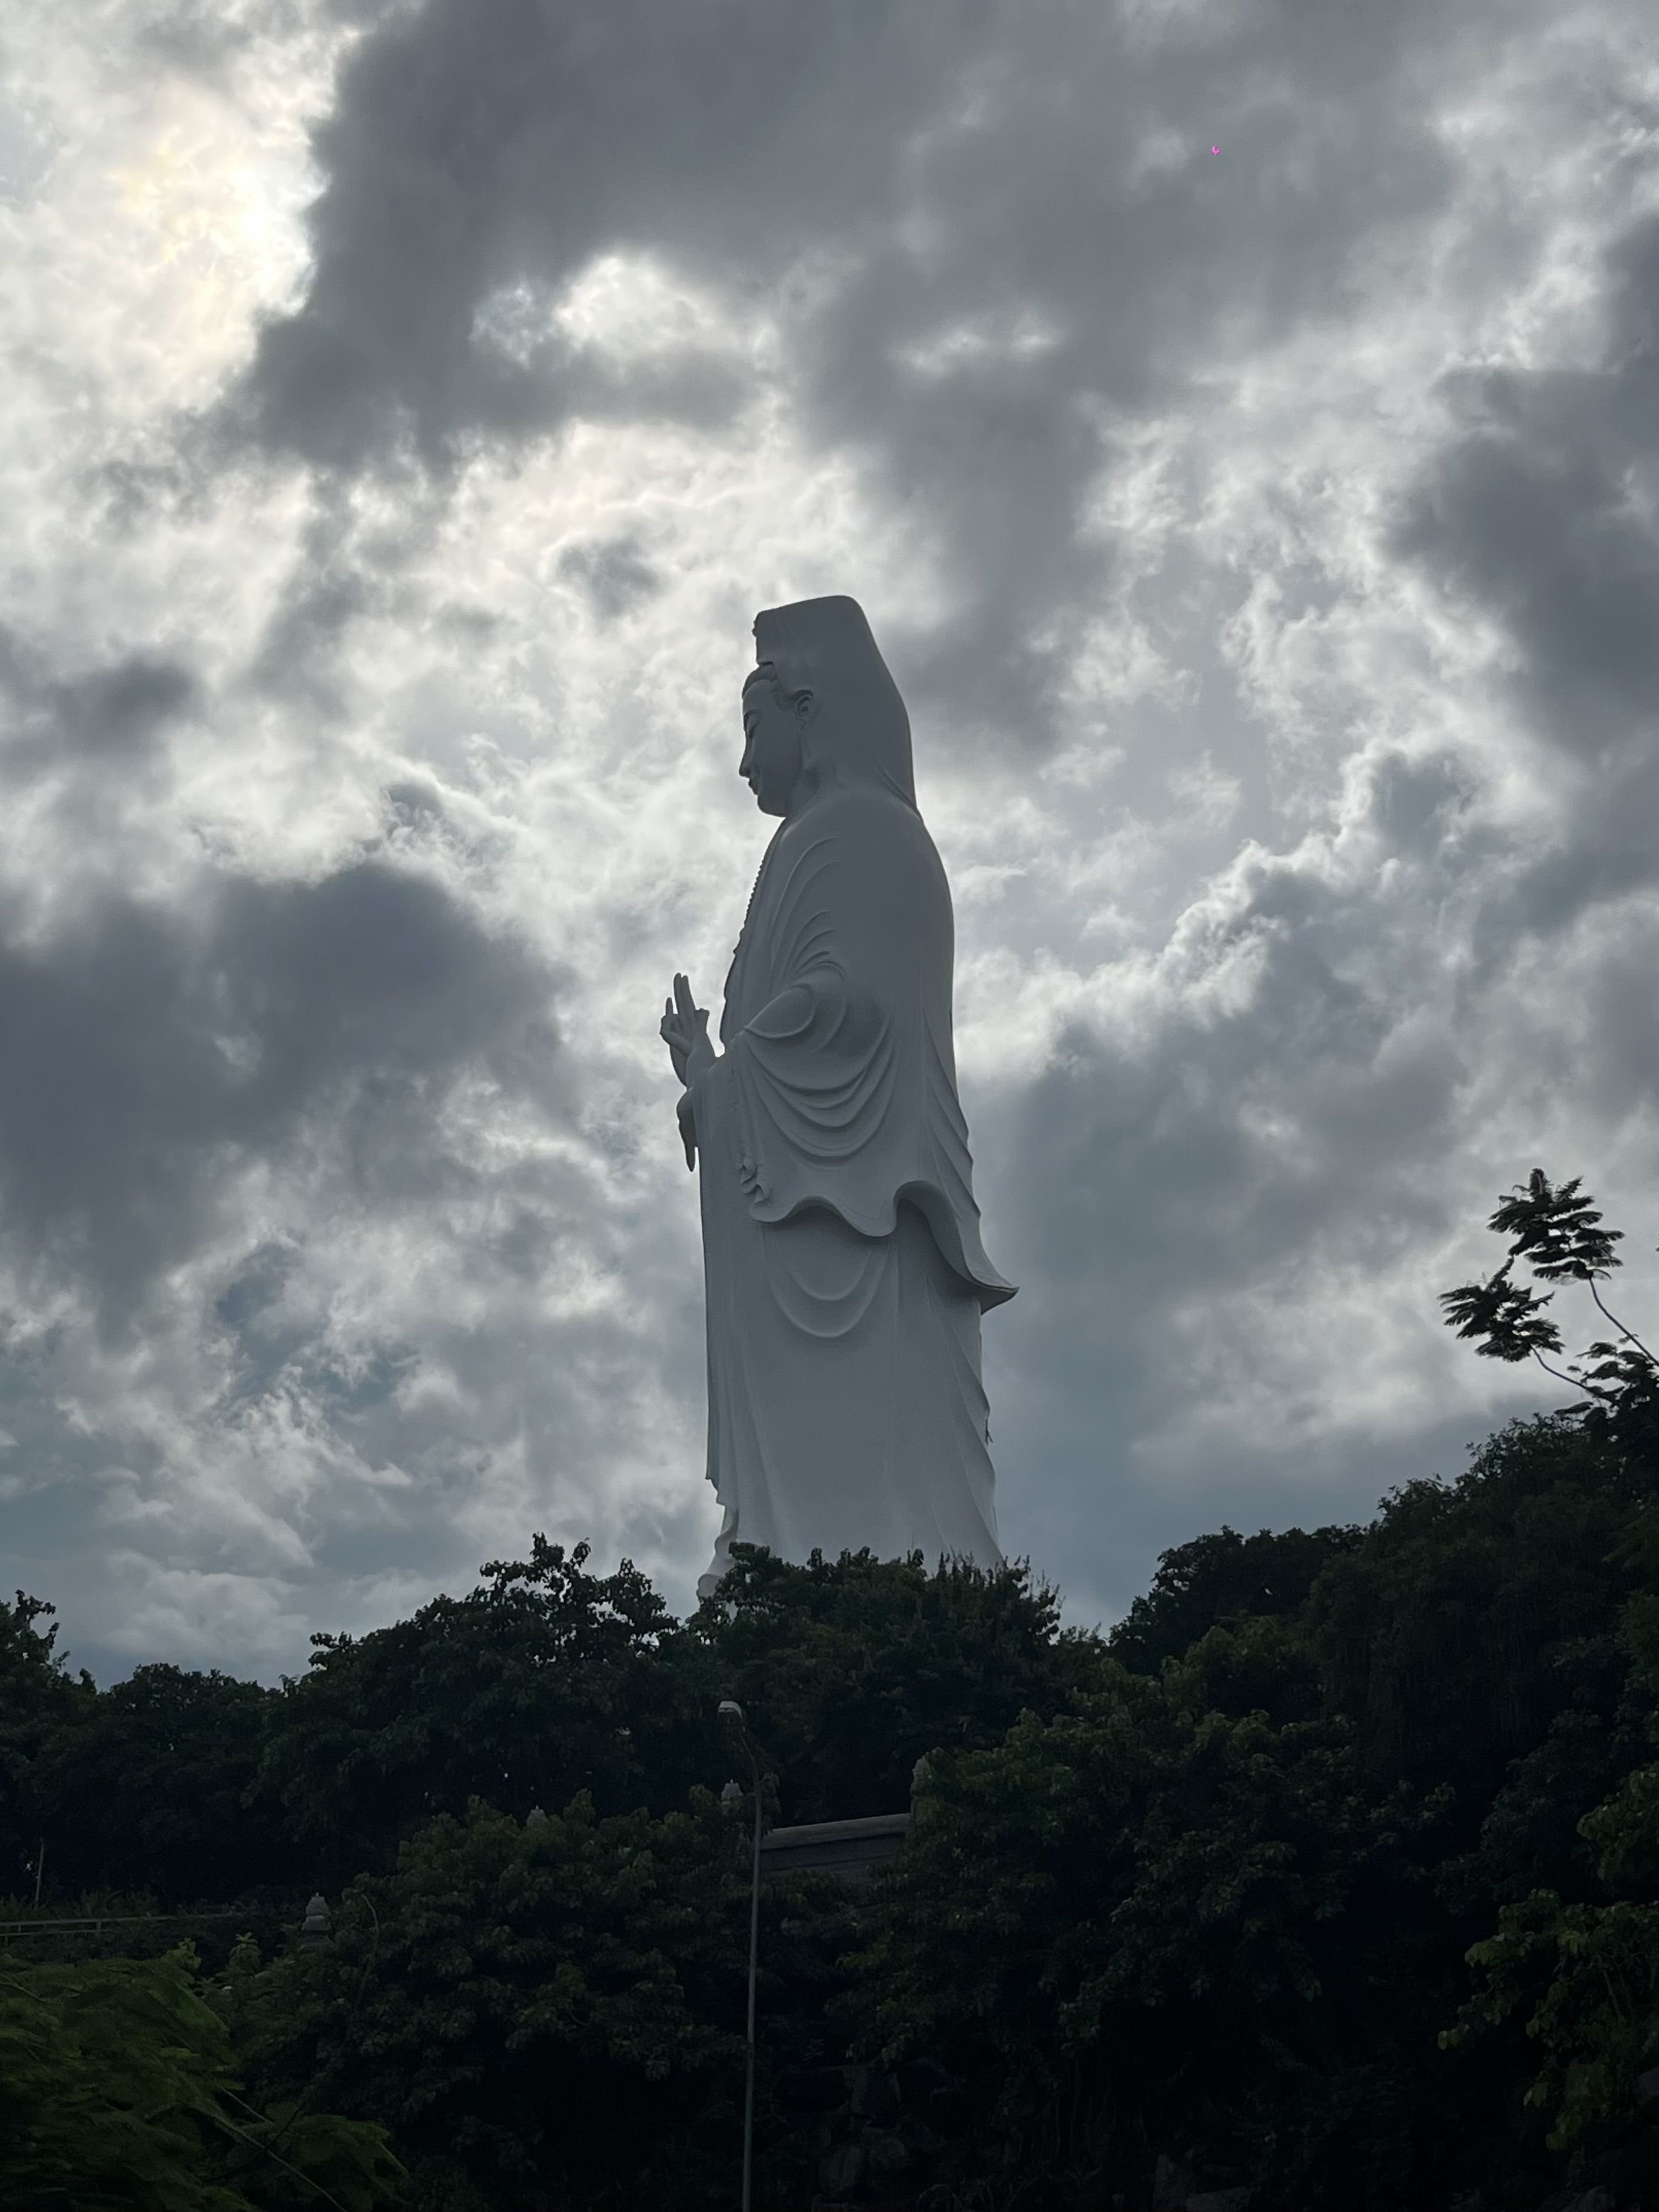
543,1681
1220,1578
39,1698
1144,1926
118,2092
144,1785
549,2014
850,1670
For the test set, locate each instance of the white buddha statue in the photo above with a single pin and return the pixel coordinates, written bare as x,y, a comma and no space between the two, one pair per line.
841,1255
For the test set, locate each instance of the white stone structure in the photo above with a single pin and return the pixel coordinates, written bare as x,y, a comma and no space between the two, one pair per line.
842,1260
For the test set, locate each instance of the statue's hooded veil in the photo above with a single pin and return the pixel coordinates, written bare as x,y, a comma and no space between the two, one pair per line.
861,733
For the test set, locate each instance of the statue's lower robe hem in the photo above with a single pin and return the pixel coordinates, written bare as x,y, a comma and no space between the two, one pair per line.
846,1410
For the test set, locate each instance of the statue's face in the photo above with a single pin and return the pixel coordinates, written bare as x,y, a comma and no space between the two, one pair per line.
771,762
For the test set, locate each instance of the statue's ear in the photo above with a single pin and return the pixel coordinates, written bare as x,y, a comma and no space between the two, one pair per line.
804,704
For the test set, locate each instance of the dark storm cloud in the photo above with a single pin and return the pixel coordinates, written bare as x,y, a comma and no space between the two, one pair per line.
151,1054
474,147
948,207
1238,1137
1541,513
1174,1200
1528,515
1181,1189
106,717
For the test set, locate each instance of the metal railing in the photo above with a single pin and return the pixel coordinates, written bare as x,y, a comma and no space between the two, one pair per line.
97,1921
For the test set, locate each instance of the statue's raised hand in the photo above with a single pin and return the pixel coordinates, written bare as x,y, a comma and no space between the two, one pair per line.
685,1033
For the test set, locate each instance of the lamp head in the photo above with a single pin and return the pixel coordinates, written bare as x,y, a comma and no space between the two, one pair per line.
730,1710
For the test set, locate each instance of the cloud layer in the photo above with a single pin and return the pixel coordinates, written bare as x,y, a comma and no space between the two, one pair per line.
1239,422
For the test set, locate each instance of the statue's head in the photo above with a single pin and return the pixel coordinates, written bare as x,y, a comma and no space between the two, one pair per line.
820,707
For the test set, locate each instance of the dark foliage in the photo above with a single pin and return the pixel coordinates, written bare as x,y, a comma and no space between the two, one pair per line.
550,2014
1329,1878
1474,1612
1218,1579
543,1681
39,1701
147,1784
119,2093
850,1671
1220,1912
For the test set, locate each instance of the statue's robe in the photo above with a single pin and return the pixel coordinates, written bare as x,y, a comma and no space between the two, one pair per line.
842,1260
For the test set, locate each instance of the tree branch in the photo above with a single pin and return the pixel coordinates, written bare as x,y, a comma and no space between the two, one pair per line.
1570,1380
1629,1335
231,2127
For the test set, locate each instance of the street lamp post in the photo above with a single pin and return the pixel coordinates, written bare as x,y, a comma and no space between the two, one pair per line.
730,1711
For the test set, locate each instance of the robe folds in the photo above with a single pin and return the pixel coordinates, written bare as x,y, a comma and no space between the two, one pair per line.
844,1265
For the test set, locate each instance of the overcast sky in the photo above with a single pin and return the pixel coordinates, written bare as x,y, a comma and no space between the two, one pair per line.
1241,424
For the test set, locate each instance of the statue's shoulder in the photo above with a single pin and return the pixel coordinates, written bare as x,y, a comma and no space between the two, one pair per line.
863,859
865,819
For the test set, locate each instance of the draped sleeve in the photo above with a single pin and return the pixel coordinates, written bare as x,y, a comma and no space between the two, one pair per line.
837,1033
